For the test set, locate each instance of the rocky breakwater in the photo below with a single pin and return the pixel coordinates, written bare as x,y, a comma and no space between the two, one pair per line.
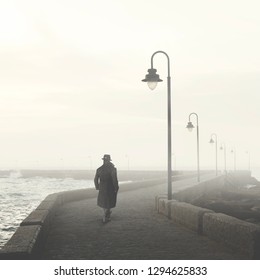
238,195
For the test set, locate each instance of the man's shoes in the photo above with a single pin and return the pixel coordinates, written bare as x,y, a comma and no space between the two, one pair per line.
106,220
108,213
106,217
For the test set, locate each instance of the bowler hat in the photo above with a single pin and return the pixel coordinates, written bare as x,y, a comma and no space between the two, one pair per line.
107,157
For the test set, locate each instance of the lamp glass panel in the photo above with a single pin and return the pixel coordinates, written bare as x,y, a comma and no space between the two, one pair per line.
152,85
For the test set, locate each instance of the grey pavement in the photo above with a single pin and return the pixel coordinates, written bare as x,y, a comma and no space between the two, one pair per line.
136,231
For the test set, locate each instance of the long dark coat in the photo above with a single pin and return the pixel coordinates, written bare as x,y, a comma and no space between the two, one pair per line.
107,184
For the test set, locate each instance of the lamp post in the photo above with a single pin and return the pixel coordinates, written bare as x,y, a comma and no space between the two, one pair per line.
223,147
233,151
190,126
152,79
211,141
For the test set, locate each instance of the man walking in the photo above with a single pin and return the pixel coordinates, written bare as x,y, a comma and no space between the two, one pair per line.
107,184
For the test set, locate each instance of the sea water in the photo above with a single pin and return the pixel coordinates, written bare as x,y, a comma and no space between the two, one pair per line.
20,196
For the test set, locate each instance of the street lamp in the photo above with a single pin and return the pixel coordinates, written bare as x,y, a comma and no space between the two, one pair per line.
223,147
152,79
190,126
211,141
234,152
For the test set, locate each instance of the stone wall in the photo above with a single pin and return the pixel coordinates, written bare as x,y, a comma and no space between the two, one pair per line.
244,237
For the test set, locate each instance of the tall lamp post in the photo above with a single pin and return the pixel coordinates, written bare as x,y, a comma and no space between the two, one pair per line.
211,141
223,147
152,79
233,151
190,126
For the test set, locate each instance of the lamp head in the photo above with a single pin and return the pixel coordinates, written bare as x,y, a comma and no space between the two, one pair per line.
190,126
211,141
152,78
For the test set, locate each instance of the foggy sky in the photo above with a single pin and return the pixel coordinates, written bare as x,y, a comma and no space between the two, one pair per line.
71,85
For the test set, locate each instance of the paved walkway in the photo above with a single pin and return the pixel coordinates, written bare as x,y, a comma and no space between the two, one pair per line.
136,231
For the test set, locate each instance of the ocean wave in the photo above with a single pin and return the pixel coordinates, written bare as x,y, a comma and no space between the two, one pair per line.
20,196
9,229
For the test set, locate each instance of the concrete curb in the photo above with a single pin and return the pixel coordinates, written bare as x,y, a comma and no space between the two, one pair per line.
188,215
243,237
27,241
25,244
183,213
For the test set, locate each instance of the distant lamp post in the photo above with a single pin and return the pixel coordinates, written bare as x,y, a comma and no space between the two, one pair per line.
152,79
190,127
223,148
233,151
249,161
211,141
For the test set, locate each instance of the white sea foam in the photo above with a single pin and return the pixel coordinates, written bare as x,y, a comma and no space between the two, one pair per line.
19,196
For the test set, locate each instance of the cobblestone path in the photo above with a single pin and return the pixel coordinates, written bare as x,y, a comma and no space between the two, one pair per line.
136,231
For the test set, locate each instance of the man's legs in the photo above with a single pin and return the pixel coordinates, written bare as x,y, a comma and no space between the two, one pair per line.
107,213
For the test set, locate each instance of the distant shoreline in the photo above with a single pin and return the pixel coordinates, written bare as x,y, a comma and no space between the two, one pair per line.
81,174
123,175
